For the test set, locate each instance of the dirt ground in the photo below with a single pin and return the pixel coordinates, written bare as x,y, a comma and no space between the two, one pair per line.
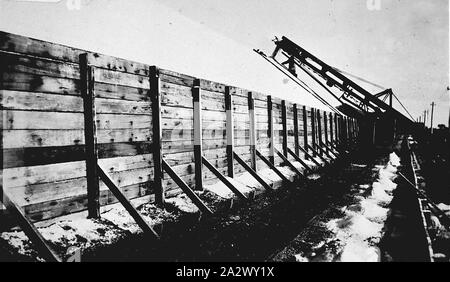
248,232
253,231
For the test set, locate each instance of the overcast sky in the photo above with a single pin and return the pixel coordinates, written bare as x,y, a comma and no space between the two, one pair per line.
404,45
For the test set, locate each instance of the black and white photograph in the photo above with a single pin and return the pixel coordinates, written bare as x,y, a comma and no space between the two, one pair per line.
224,138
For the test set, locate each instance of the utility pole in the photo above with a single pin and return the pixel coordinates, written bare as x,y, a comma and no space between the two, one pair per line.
425,118
448,89
432,112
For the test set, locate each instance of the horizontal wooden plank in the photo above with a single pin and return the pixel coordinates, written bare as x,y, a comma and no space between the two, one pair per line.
212,86
21,100
38,66
17,157
40,83
188,134
54,208
118,64
46,138
39,48
121,78
179,158
176,78
14,119
121,92
184,113
25,45
38,193
22,176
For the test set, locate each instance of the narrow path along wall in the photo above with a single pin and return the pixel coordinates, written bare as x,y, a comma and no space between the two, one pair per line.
43,126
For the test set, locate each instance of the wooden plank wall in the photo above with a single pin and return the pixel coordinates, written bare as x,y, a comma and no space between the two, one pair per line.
43,126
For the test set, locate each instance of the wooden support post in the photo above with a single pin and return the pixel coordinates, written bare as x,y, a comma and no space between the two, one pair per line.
223,179
286,161
325,130
324,152
353,129
284,123
252,172
298,159
90,136
155,97
313,131
44,250
336,138
305,132
252,127
348,128
198,155
329,151
341,132
296,140
143,224
319,155
347,133
272,166
186,189
230,131
319,131
331,128
309,156
350,131
339,150
271,130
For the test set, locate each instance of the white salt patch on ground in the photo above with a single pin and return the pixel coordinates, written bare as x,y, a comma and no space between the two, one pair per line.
300,258
390,169
443,207
19,241
359,165
183,203
220,189
298,166
269,174
286,171
394,159
122,219
247,179
155,215
319,160
373,212
314,176
387,184
310,163
355,225
364,186
380,195
359,251
362,226
81,233
77,231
